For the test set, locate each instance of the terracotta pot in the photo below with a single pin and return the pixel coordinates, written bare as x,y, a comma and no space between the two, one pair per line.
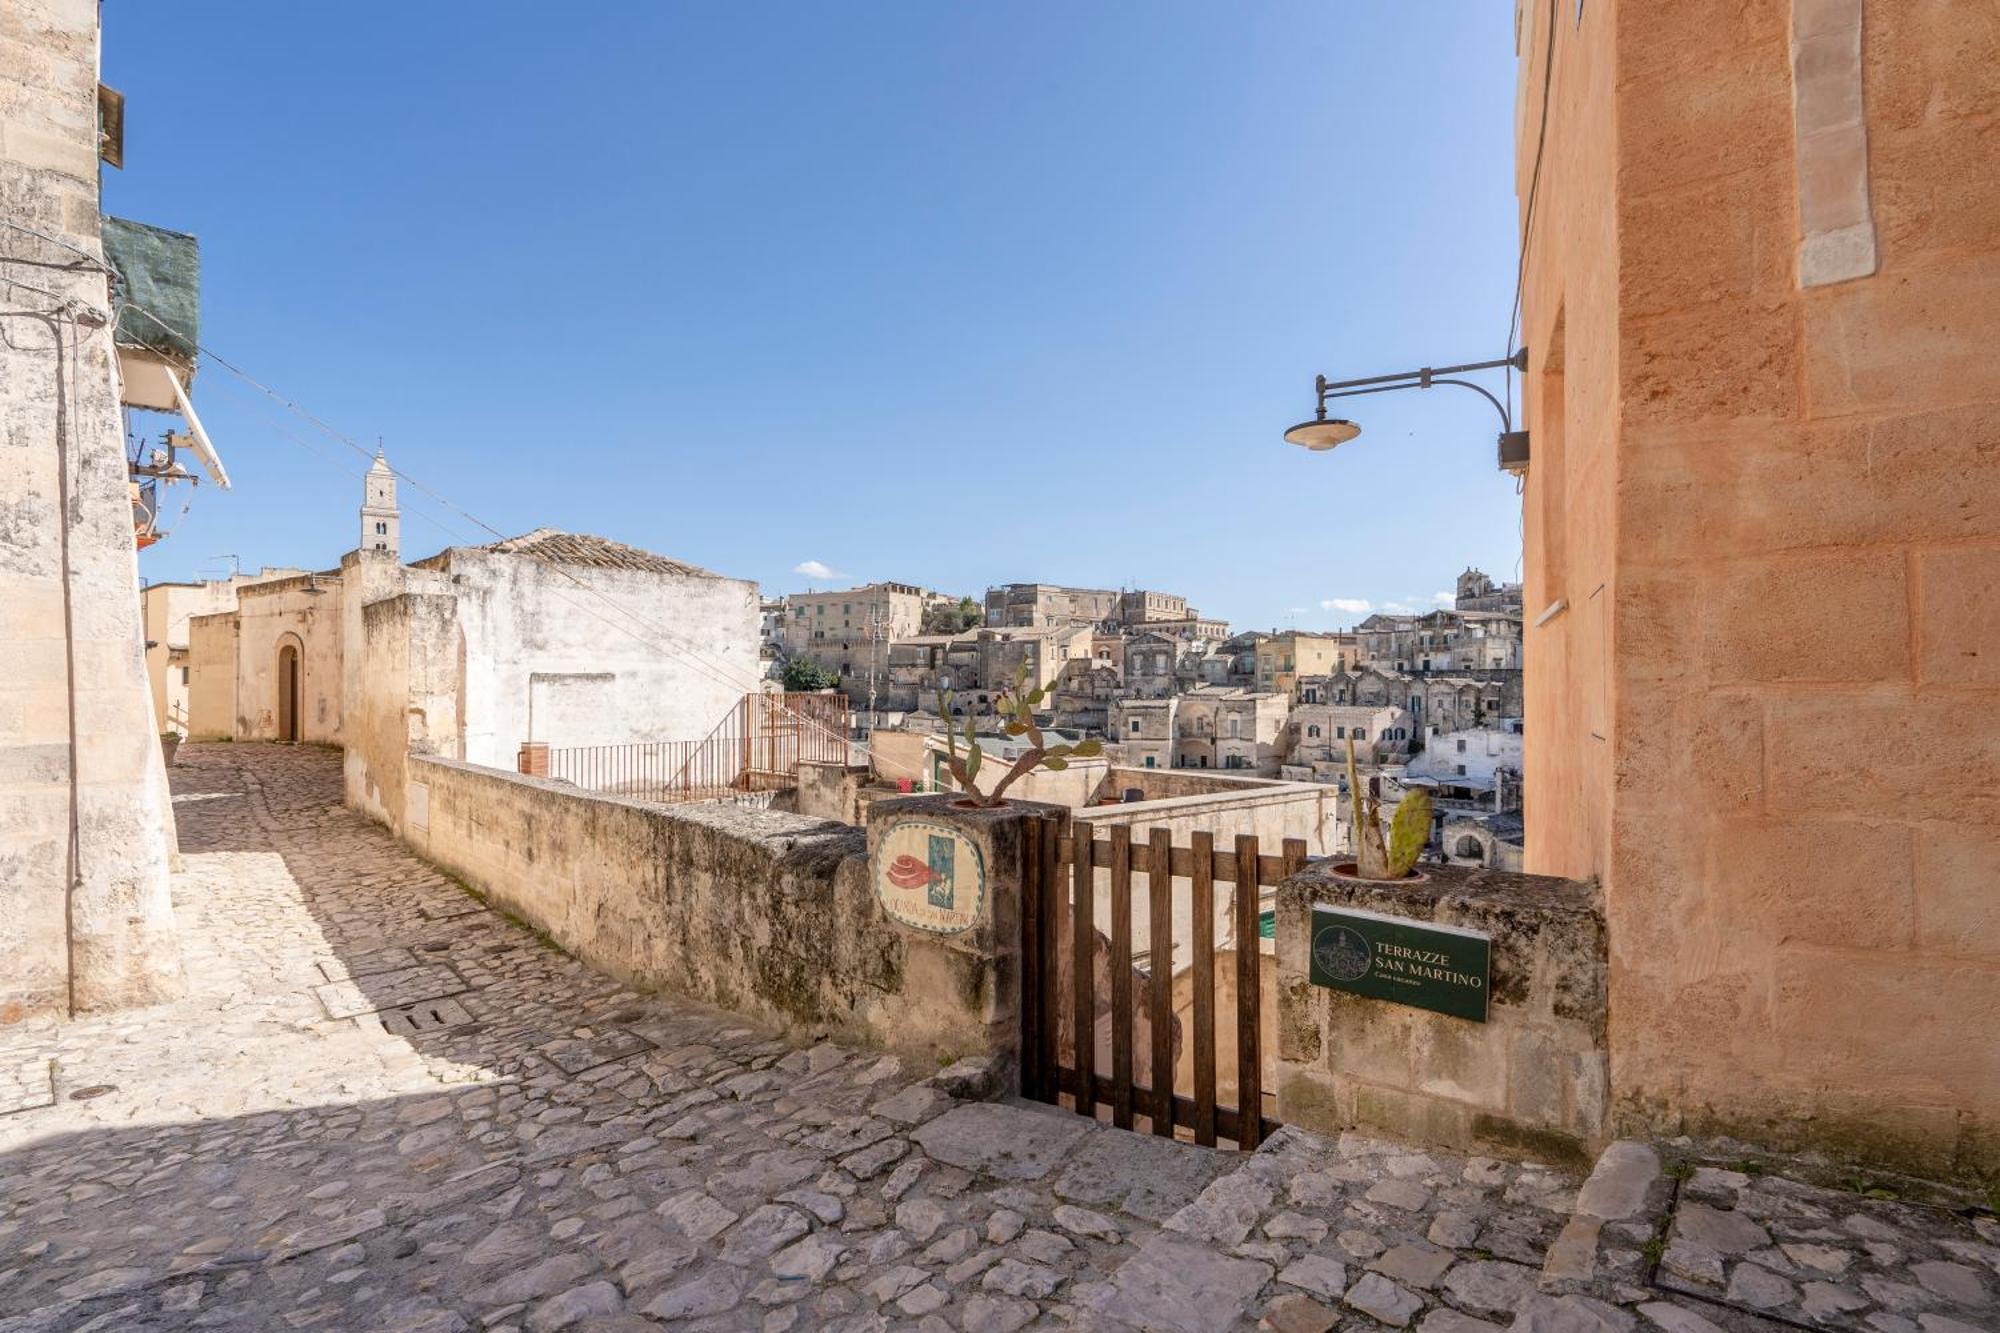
169,742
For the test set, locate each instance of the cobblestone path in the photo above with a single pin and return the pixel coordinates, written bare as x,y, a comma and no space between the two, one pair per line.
385,1107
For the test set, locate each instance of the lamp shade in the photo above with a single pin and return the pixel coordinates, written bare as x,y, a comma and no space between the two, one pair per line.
1322,433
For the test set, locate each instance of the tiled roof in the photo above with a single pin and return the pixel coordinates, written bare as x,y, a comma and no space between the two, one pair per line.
580,548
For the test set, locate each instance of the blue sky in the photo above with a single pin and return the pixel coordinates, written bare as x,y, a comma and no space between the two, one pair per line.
949,293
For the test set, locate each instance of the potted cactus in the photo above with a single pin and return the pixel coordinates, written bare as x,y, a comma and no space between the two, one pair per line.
1379,855
1017,704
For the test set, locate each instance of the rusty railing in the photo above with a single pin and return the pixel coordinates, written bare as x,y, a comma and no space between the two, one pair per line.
757,747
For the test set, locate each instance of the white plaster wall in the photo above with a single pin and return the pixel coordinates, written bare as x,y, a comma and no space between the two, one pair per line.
520,617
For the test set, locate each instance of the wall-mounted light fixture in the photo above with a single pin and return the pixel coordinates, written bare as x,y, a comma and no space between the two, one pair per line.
1324,432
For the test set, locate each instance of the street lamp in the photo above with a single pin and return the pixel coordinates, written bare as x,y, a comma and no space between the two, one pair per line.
1323,432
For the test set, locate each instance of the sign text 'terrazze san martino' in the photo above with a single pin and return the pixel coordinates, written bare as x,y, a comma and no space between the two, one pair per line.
1444,968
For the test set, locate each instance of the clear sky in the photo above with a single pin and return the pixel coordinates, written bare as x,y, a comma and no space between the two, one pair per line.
943,292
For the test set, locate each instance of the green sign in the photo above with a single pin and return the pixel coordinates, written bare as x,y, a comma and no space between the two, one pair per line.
1444,968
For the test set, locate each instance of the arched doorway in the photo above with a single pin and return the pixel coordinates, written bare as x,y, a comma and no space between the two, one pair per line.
288,692
1470,848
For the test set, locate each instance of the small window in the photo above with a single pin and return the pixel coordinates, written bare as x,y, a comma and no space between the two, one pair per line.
184,675
1312,731
1461,748
1361,733
1461,770
1135,726
1149,761
381,528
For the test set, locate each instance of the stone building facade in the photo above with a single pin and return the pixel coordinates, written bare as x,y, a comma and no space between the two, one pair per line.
85,844
559,638
1282,659
852,631
1316,737
167,609
1442,641
1763,556
1026,605
1477,592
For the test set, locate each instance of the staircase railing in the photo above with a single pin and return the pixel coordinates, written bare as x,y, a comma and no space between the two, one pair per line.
756,747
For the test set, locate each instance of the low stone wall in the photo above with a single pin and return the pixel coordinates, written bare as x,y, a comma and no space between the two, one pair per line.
1270,811
1531,1080
829,791
1165,784
764,913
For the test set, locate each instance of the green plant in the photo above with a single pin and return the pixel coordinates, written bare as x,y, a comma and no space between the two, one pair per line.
952,617
1394,855
1017,704
803,676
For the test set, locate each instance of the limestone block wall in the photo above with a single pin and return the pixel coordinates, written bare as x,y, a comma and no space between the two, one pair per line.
755,911
1531,1080
85,821
1763,283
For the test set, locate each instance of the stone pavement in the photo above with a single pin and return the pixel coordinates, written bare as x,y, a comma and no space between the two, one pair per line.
383,1107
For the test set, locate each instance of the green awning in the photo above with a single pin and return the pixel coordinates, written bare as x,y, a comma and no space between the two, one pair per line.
157,287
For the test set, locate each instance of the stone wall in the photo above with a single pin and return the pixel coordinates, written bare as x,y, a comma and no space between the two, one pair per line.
624,637
767,914
1269,811
411,693
1166,783
212,676
1768,502
85,820
829,791
1531,1080
304,614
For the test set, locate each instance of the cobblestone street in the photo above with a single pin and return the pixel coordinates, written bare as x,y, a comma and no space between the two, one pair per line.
385,1107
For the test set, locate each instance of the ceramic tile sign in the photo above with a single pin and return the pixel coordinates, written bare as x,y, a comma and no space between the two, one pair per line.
1418,963
930,876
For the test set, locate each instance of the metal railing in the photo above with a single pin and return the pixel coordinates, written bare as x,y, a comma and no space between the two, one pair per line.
757,747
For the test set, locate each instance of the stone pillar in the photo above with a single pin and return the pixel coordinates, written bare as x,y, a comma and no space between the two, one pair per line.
85,917
533,759
948,878
1527,1080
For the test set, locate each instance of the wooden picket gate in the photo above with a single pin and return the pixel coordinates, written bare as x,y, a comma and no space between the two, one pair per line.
1058,909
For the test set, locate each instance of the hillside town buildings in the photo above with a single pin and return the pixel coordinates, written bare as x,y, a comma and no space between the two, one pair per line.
1735,738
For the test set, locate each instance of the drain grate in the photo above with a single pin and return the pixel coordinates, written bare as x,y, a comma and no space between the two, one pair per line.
93,1092
429,1016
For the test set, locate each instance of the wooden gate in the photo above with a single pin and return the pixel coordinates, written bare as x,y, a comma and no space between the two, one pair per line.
1066,991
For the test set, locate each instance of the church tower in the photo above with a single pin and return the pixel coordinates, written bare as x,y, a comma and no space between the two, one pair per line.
381,524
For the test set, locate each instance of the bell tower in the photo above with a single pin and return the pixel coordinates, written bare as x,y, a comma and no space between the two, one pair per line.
381,523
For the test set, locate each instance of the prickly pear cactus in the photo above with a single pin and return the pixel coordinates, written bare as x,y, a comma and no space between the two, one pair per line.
1371,857
1409,831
